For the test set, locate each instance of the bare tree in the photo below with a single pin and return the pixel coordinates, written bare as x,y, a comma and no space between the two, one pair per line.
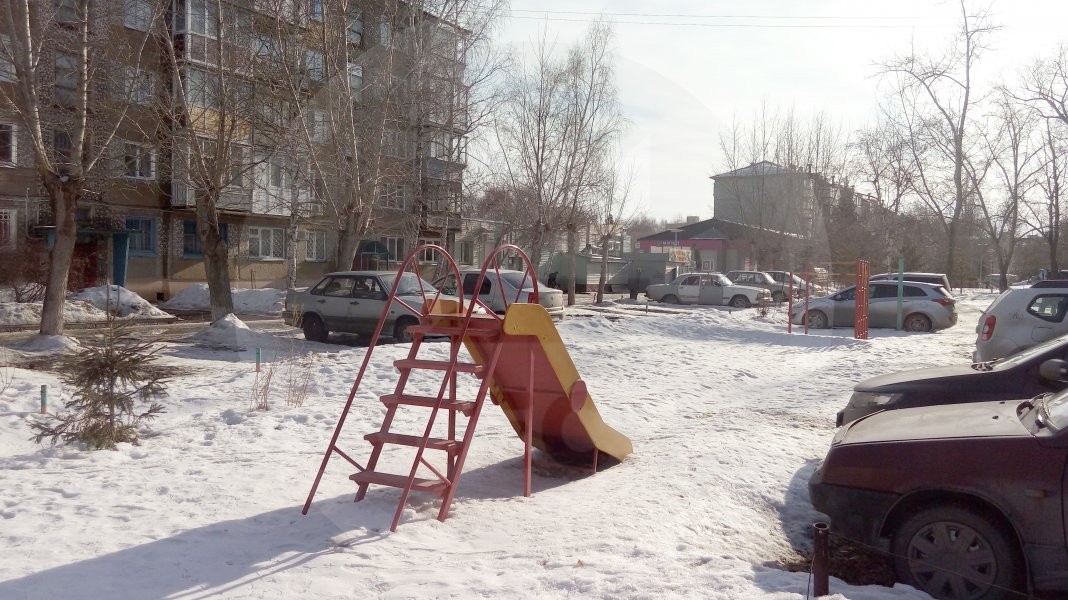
1045,85
1044,214
63,62
614,214
937,95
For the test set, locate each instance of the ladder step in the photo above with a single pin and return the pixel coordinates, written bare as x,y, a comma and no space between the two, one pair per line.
427,402
383,437
428,486
437,365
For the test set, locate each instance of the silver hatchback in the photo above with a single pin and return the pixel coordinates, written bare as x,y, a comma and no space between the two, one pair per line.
925,307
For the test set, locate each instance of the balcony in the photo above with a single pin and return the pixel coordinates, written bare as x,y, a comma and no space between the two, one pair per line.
445,170
183,195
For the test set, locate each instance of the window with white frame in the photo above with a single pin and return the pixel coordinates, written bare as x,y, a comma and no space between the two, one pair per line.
266,242
138,161
395,247
393,195
314,65
142,235
356,81
316,246
66,83
278,177
137,14
467,252
201,89
203,18
396,143
355,31
137,85
8,142
428,254
7,68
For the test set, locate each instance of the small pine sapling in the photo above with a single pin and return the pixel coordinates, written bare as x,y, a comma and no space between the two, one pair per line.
105,383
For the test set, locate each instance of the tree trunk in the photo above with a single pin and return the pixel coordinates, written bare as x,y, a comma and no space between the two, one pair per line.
64,199
604,269
572,250
216,258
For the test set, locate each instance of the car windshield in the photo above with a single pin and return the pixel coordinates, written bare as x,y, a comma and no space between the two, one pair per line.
409,284
1030,353
519,281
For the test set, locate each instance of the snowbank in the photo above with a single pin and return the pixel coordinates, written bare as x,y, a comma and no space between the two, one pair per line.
119,301
265,301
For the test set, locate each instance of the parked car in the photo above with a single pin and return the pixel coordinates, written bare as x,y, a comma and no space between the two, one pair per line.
934,278
760,279
927,307
353,301
800,286
968,498
499,293
1037,370
707,288
1021,317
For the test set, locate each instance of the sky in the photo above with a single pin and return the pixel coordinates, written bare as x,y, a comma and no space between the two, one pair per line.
686,68
209,504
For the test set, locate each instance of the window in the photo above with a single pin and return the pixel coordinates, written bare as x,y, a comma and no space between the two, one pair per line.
8,222
138,161
428,254
7,144
315,10
396,143
7,68
691,280
191,247
142,235
467,253
314,66
66,85
66,11
395,247
201,89
137,85
393,195
316,246
356,82
238,164
385,33
137,14
203,18
266,242
318,125
265,48
61,147
1049,307
355,32
279,175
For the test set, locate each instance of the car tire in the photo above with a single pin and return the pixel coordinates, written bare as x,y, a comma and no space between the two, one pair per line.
817,320
400,330
314,329
778,296
930,546
740,301
671,299
917,322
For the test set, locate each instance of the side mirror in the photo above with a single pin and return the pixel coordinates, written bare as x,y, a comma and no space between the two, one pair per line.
1054,369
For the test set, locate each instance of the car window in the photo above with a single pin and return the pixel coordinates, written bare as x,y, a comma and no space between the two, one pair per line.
339,287
519,281
447,284
366,287
848,294
912,291
691,280
469,284
1049,307
882,291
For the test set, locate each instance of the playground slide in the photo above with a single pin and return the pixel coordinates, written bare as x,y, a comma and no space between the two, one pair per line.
566,423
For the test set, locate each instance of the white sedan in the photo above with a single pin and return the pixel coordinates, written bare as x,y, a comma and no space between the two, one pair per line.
707,288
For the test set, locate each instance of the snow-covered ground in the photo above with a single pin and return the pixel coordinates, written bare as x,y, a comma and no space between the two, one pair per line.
727,412
266,301
86,306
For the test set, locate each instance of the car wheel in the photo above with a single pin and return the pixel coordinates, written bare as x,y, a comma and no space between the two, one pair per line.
671,299
778,296
955,553
740,302
817,320
400,330
314,329
917,322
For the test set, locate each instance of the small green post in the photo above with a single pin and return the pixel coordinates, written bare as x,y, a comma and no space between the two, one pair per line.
44,399
257,360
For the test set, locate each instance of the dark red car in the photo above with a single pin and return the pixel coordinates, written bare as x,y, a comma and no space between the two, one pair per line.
968,498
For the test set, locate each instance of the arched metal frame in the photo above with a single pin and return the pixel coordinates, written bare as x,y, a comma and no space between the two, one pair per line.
494,261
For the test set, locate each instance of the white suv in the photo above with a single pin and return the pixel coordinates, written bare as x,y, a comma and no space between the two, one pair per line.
1020,318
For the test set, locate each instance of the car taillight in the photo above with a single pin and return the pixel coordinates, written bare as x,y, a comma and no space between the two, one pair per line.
945,301
988,327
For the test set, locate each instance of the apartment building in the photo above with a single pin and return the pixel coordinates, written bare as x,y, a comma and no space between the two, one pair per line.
293,134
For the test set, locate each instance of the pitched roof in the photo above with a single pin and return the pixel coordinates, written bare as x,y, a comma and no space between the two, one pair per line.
702,230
